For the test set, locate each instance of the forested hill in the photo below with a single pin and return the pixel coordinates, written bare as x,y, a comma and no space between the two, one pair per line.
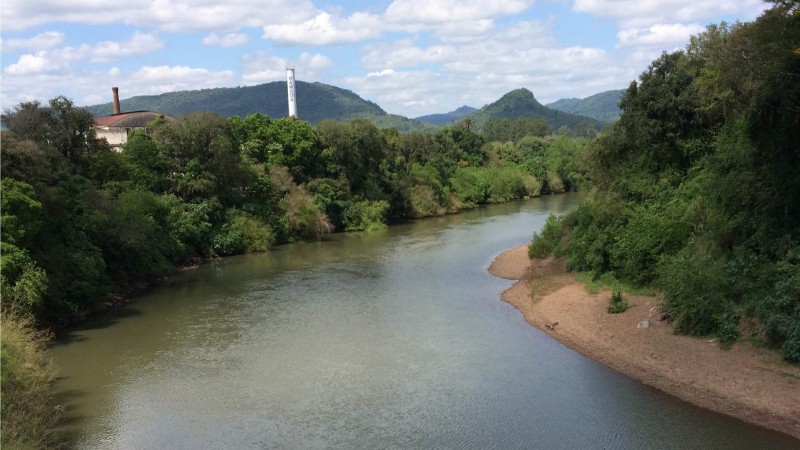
603,106
522,103
452,116
315,102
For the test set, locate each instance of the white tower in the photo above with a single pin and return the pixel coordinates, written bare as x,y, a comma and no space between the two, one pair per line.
290,87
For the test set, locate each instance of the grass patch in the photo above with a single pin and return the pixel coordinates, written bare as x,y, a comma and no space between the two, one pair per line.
607,282
617,304
535,286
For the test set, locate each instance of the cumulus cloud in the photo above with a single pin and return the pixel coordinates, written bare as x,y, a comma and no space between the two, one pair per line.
638,13
263,67
315,61
159,79
59,59
228,40
326,29
663,36
449,11
34,64
138,44
42,41
166,15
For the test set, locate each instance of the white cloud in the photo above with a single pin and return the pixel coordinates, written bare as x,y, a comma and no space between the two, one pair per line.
382,73
42,41
449,11
263,67
60,59
325,29
34,64
228,40
465,31
642,13
159,79
663,36
315,61
139,43
405,53
166,15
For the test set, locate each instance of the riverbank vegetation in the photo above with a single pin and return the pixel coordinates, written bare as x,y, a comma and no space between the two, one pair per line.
697,186
83,222
29,417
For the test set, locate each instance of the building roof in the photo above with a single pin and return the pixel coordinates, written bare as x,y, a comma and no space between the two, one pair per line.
133,119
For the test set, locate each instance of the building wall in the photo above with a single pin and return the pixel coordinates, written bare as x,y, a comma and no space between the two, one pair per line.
115,136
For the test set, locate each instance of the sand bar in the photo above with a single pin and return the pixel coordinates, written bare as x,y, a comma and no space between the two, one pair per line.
749,383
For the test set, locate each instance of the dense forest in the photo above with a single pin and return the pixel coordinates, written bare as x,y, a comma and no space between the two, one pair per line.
697,186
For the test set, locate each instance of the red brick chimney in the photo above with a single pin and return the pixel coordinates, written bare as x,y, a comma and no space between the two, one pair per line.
116,100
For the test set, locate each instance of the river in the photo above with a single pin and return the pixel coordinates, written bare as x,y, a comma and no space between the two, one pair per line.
393,339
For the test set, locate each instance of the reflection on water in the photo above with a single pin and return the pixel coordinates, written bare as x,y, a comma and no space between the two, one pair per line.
395,339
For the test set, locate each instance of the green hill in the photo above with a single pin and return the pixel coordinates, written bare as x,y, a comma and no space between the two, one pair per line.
521,103
452,116
315,102
603,106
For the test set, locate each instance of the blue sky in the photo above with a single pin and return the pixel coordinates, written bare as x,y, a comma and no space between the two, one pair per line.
412,57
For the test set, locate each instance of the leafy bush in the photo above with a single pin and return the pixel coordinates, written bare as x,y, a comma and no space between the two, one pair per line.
727,327
242,233
29,417
533,188
504,182
694,288
365,215
791,346
228,241
617,304
544,244
424,202
256,235
469,186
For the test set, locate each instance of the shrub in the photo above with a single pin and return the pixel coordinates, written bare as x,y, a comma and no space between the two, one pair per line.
256,235
791,346
29,417
504,183
543,245
533,188
694,288
727,327
617,304
365,215
424,202
469,186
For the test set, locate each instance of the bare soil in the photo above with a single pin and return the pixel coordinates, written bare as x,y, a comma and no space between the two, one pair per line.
750,383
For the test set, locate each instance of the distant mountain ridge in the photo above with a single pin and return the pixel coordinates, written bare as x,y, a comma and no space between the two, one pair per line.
319,101
603,106
521,102
452,116
315,102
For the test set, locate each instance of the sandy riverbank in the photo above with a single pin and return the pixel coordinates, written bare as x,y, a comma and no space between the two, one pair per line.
746,382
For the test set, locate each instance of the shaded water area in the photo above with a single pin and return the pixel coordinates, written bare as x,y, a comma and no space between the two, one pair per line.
395,339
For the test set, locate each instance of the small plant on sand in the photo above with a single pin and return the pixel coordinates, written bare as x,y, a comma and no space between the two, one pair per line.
617,304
